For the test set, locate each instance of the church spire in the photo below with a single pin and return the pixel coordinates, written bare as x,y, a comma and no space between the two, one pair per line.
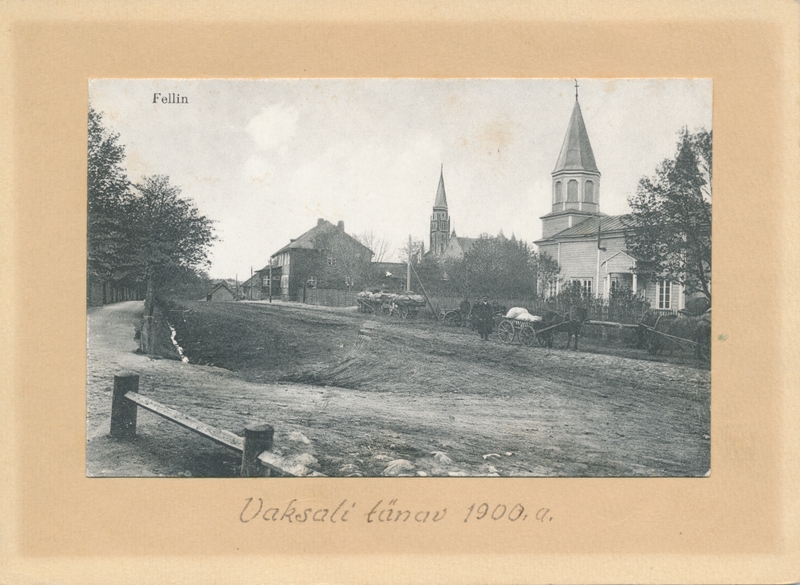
576,151
441,196
576,179
440,220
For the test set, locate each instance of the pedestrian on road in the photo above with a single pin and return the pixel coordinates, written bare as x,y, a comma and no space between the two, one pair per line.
484,316
465,309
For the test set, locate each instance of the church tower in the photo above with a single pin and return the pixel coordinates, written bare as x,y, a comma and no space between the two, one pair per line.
576,179
440,220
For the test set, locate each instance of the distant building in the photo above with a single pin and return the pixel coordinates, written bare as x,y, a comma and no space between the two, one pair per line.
220,292
324,256
440,220
588,245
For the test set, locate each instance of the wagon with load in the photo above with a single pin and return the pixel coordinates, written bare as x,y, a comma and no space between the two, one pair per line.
404,305
519,324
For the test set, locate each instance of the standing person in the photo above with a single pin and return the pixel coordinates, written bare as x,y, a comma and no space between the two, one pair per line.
464,308
484,315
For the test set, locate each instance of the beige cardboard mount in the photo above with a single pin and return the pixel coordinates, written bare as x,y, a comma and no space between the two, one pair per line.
741,524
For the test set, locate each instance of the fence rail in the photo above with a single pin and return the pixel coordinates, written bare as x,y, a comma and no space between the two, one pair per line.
254,446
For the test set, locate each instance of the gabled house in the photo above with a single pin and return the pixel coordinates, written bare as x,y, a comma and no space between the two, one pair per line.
220,292
325,256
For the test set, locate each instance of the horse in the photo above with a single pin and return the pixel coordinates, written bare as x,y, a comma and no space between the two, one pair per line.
669,332
571,322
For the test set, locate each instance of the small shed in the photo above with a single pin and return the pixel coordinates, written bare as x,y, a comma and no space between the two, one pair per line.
220,292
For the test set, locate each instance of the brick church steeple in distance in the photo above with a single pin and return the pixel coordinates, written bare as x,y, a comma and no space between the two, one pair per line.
440,220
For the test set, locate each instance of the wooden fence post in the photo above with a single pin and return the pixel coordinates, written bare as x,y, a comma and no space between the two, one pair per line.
123,411
257,439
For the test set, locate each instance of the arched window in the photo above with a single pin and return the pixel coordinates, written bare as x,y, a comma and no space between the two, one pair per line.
558,192
588,191
572,190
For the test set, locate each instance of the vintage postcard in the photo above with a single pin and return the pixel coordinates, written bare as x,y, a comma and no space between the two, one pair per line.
399,293
399,277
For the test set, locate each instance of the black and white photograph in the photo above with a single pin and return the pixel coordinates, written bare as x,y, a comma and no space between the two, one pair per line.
399,278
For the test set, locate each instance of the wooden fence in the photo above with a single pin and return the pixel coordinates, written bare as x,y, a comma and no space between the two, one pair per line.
329,297
257,461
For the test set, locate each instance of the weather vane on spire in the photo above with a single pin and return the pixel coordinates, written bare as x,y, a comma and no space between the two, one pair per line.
576,90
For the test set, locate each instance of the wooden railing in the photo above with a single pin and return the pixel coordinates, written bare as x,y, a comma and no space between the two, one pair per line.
257,460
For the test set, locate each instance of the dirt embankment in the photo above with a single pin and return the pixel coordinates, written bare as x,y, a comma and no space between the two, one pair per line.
384,396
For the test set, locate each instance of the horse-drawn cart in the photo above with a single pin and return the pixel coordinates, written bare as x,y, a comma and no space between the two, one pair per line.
692,333
403,305
520,325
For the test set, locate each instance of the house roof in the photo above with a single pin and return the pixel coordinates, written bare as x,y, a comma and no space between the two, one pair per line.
576,151
441,196
465,243
308,240
620,253
220,285
589,227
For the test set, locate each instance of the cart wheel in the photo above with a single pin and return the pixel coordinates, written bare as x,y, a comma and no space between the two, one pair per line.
527,335
544,339
452,319
404,312
506,331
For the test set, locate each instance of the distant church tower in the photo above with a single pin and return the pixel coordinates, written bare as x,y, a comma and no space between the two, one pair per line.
440,220
576,179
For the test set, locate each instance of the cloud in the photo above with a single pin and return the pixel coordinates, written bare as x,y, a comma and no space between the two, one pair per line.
274,127
258,169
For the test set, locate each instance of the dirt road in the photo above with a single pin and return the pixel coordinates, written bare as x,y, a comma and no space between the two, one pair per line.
383,396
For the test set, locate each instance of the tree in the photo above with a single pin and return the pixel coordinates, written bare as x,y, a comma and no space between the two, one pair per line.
108,194
670,222
546,270
168,235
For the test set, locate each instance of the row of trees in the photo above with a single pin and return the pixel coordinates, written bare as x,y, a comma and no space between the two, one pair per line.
494,265
140,234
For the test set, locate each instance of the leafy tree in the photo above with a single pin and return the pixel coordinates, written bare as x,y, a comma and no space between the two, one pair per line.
108,194
546,270
670,222
168,236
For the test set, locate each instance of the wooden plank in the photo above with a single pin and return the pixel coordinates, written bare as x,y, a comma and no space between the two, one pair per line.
610,324
225,438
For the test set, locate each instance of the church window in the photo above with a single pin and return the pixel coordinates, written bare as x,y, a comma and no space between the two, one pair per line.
588,191
664,294
559,192
572,190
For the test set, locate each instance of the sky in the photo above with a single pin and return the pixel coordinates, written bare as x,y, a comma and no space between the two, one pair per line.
265,159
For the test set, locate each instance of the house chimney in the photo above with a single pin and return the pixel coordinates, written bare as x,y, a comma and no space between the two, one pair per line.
319,221
340,225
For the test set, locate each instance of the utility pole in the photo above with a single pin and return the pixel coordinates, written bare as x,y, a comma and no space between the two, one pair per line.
252,284
270,280
408,266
